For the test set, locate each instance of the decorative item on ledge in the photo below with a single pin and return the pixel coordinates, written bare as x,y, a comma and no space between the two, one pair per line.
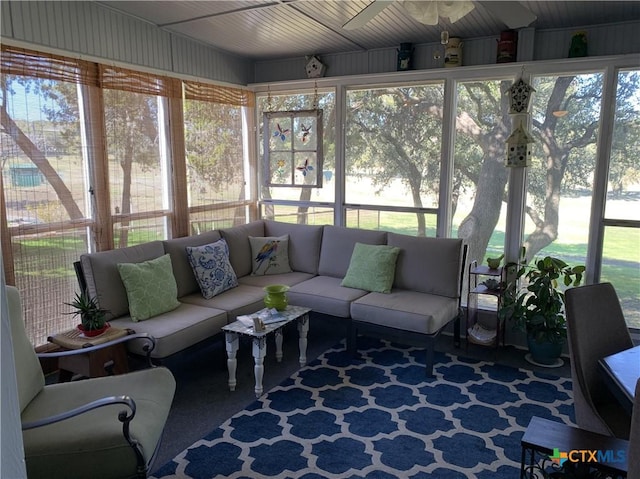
578,46
276,296
507,46
404,57
315,68
453,53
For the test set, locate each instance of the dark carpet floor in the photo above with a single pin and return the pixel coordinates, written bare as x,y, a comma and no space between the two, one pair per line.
203,400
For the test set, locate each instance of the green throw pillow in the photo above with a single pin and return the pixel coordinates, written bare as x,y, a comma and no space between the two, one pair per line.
372,268
151,287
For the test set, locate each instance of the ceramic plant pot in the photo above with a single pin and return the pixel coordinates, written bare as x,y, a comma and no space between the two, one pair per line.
276,296
544,353
92,333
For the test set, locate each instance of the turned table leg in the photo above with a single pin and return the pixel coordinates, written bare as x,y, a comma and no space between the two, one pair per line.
278,334
259,352
232,341
303,329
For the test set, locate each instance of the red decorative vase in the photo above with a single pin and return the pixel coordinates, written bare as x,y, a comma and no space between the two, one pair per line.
92,333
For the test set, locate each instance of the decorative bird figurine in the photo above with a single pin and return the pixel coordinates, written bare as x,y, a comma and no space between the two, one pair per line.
266,253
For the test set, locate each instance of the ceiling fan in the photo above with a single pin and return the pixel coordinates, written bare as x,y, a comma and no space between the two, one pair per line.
511,13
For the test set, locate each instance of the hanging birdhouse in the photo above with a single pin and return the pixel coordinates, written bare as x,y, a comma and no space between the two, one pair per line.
519,146
520,97
315,68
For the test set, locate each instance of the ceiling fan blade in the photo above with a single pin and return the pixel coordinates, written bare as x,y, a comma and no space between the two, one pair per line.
512,14
366,14
424,12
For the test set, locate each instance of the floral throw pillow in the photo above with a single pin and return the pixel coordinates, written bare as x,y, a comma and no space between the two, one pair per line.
211,267
269,255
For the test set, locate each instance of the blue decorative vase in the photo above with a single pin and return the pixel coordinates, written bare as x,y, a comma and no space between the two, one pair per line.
276,296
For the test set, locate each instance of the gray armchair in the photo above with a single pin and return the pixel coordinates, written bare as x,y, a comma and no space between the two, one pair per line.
596,328
106,427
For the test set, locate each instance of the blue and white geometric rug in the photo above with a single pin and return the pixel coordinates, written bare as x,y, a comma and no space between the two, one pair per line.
379,417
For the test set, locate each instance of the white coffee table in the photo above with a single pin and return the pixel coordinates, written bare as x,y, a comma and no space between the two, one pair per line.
236,329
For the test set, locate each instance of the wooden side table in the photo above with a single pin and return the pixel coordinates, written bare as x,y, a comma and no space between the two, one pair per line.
103,362
544,438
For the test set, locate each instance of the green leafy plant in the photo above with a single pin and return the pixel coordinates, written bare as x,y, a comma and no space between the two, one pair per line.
534,300
91,315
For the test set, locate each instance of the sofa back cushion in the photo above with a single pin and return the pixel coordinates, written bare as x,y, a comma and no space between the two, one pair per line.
103,279
182,270
428,265
304,243
337,246
237,238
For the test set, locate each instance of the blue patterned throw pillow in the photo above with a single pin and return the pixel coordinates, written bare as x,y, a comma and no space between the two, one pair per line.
211,267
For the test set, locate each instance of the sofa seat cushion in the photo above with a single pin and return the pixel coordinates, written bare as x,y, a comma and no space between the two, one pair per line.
324,294
406,310
176,330
78,444
242,299
289,279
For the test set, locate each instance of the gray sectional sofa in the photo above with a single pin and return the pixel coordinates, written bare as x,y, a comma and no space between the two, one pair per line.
425,296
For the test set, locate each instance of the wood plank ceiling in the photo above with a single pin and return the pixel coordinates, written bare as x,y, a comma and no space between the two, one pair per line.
271,29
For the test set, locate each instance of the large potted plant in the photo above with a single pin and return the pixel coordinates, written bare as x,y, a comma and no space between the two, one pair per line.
534,301
92,317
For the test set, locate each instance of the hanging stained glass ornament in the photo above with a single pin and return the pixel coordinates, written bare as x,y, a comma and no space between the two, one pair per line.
293,154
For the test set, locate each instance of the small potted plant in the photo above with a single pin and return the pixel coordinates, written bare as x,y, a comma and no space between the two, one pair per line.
92,317
535,302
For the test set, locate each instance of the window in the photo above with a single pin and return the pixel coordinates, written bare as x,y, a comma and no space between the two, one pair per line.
392,155
292,152
565,122
621,247
137,169
88,164
301,204
480,177
217,162
45,193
